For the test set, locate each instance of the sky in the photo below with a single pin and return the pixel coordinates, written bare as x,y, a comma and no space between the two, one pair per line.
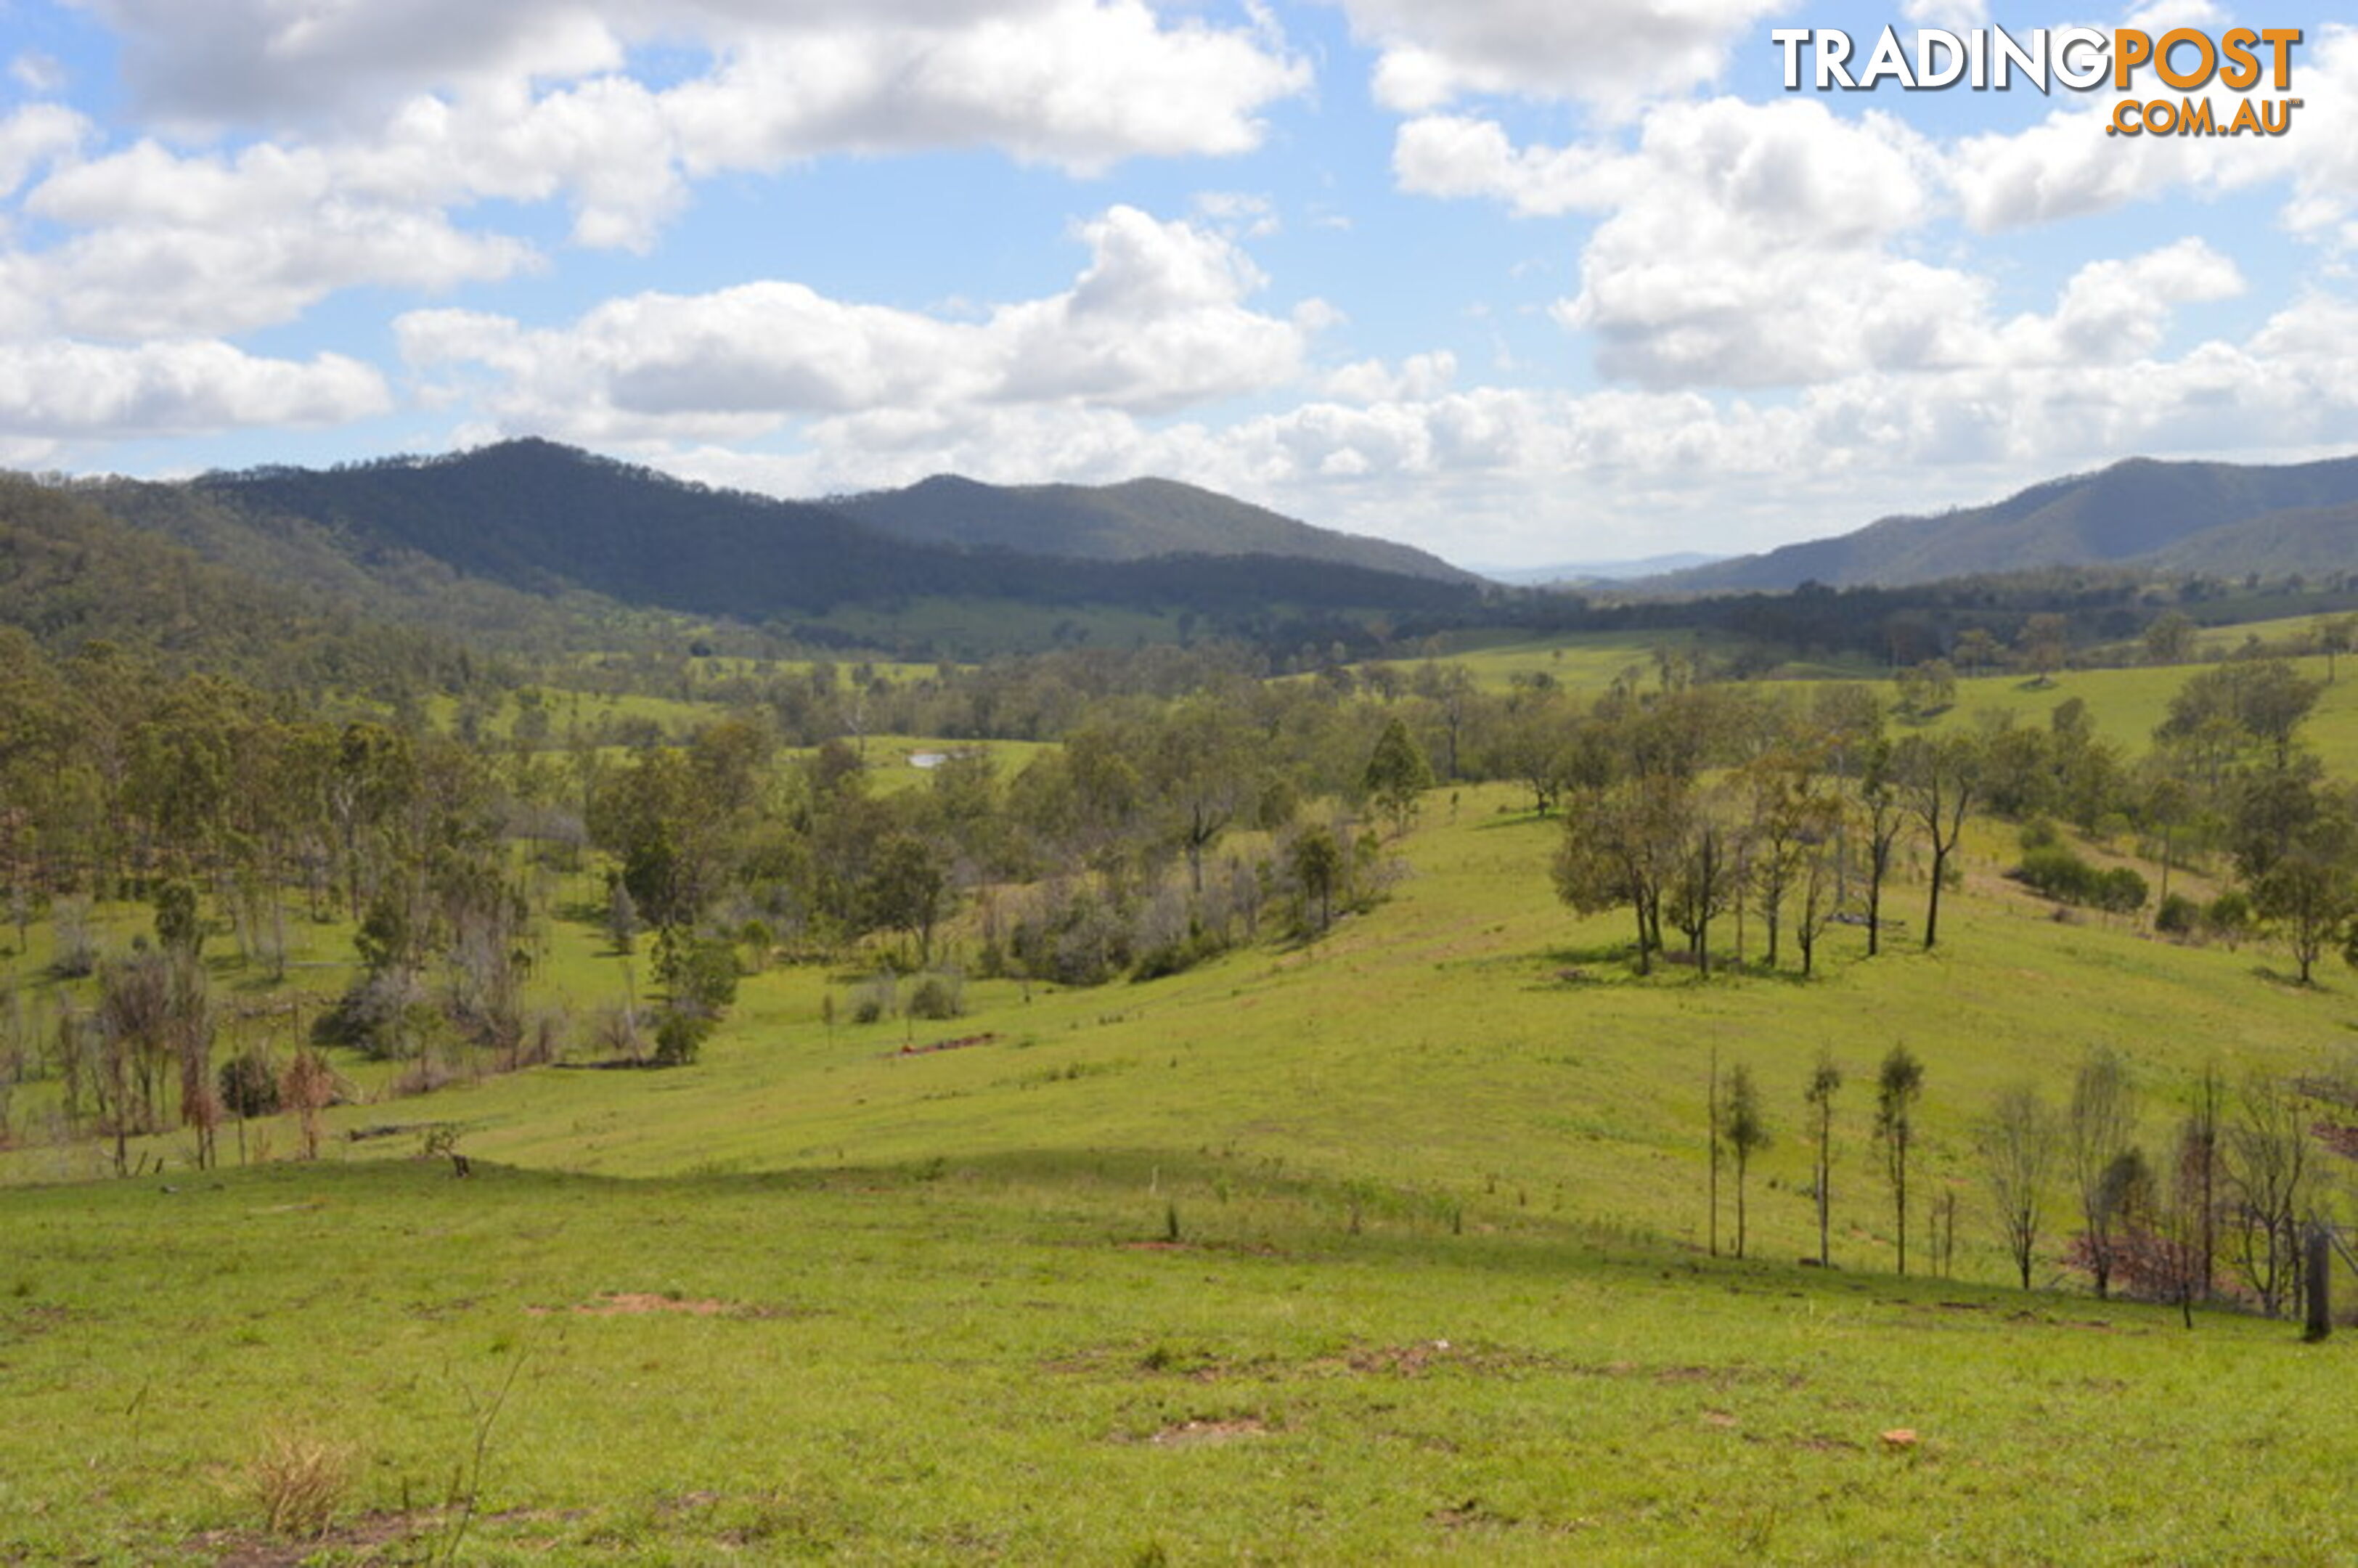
1520,282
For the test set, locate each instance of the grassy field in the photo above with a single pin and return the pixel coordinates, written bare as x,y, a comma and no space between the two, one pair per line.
1584,663
2128,704
1387,1247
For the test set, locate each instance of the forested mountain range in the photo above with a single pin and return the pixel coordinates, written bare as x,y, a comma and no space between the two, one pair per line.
1128,522
2173,516
73,573
534,516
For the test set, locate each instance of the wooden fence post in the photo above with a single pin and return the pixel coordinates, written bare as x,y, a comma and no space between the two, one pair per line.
2317,1285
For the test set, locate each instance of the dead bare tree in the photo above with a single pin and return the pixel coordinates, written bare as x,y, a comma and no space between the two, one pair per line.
2018,1141
2271,1180
2100,1128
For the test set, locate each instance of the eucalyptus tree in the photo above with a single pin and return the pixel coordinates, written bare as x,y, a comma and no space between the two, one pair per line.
1940,778
1899,1085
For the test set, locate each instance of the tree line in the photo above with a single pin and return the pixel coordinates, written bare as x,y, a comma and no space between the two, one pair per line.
2215,1207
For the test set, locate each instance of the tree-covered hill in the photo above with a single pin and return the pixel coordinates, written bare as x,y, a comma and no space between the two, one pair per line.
1127,522
72,574
2136,511
546,518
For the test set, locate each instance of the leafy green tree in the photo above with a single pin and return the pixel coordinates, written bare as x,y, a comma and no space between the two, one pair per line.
2307,890
372,773
1825,1083
1745,1125
1926,690
2169,638
2044,641
1318,866
1621,846
698,974
2260,702
179,926
909,890
1396,775
1794,814
1940,777
1203,763
2336,635
1885,817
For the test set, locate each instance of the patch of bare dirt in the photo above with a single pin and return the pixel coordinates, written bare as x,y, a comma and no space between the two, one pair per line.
362,1541
386,1538
1207,1433
636,1303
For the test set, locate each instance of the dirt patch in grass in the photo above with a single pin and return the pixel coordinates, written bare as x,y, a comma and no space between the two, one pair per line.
1207,1434
364,1541
1403,1360
1419,1356
638,1303
358,1541
26,1322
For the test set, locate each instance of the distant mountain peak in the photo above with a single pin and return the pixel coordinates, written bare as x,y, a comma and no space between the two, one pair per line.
1135,519
2140,510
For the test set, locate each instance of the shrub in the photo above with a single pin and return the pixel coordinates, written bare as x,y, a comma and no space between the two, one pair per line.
2057,873
75,950
875,999
2229,914
2120,891
249,1083
679,1038
938,997
384,1015
2178,916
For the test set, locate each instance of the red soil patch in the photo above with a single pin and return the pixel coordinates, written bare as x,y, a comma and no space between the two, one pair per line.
630,1304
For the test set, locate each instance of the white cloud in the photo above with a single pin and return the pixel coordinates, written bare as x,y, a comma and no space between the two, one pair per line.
1459,155
38,72
1080,83
1614,54
1156,322
390,120
2159,16
1950,14
1238,215
1506,473
35,136
166,245
1751,245
1418,377
2068,167
2115,311
60,390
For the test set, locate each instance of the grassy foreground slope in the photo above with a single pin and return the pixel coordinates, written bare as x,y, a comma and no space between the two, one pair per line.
1383,1248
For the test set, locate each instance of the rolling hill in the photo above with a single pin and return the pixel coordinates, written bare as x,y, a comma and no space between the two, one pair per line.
1130,522
544,518
2179,516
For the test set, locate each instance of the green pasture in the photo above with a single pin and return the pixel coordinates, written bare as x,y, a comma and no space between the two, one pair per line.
2128,704
1584,663
1389,1247
1009,1358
